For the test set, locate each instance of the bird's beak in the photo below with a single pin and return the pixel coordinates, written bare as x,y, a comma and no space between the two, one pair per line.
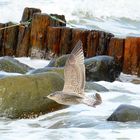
45,97
48,96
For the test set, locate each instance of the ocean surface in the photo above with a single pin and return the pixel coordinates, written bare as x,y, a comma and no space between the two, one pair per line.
121,17
79,121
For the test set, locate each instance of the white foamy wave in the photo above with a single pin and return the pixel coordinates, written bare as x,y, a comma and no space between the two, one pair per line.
73,9
33,63
121,17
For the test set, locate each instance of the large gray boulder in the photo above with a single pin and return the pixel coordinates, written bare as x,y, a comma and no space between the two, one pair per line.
95,86
23,96
97,68
101,68
60,71
58,62
125,113
9,64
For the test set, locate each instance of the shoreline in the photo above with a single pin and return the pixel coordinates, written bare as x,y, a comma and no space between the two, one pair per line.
45,37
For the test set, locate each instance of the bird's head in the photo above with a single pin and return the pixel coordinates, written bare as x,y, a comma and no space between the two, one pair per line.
54,95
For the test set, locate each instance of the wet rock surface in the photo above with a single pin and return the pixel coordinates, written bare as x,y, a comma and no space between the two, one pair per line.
97,68
101,68
23,96
125,113
59,70
94,86
58,62
9,64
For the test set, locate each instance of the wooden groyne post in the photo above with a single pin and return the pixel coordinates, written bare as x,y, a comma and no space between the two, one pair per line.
41,35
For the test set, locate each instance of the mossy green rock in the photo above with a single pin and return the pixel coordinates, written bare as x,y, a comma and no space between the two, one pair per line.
59,70
23,96
58,62
9,64
125,113
97,68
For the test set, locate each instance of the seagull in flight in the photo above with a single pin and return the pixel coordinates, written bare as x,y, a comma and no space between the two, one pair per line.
74,82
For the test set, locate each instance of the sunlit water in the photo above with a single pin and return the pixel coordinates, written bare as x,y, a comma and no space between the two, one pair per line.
121,18
79,121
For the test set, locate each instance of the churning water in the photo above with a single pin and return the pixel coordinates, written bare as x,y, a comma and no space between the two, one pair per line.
121,17
79,121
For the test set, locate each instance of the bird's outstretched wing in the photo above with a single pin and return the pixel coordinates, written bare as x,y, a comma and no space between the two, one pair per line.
74,71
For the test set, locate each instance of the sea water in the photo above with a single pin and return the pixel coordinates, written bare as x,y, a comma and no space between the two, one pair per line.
81,122
121,17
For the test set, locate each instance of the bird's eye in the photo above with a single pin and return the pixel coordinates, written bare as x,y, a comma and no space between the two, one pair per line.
51,95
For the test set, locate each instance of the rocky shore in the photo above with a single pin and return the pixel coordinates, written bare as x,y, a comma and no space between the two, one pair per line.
42,36
24,95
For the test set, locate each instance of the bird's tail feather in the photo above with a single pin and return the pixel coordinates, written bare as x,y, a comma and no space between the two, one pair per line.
93,100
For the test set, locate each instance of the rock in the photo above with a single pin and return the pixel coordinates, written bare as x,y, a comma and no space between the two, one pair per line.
136,81
23,96
131,62
95,86
101,68
58,70
97,68
58,62
125,113
9,64
52,63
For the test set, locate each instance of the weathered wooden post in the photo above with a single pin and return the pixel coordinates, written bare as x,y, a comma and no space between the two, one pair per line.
40,23
10,39
116,49
23,44
1,39
80,34
131,63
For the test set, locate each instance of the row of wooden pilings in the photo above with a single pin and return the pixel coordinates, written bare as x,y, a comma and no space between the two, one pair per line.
44,37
